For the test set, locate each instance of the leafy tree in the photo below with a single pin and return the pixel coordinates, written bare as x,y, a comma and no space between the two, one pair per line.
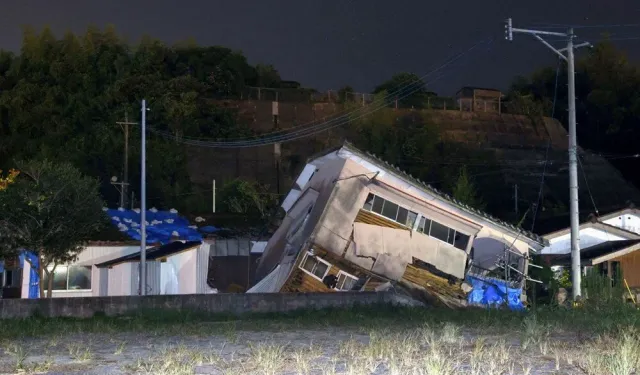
345,94
52,210
465,191
245,197
267,76
60,98
6,181
408,84
607,101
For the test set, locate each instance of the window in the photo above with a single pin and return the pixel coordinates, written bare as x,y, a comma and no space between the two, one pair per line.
315,266
70,278
390,210
443,233
439,231
407,218
346,282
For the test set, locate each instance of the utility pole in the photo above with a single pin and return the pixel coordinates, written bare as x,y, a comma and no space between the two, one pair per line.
143,203
576,276
125,178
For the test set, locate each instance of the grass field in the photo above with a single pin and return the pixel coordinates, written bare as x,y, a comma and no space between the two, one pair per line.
372,340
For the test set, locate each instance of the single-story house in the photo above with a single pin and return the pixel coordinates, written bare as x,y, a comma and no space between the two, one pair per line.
609,242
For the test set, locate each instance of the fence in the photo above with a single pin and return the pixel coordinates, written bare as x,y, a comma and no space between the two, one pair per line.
300,95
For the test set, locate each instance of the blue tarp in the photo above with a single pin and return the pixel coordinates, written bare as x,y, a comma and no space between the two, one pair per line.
34,290
493,293
161,225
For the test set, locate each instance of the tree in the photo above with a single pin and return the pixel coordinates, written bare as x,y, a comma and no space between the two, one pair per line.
71,90
52,210
464,190
345,94
408,85
244,197
607,101
6,181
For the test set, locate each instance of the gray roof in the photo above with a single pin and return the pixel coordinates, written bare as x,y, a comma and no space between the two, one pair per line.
508,226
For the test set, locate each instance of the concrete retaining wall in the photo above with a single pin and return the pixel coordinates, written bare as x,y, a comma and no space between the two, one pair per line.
235,304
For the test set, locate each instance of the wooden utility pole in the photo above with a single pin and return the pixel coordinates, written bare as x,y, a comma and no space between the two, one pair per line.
125,178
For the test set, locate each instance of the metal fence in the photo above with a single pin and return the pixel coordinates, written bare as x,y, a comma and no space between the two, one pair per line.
301,95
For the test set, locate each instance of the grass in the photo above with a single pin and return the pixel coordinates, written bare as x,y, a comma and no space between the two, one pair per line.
533,323
386,340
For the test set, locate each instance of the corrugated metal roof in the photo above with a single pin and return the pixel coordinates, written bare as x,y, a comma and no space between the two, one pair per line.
272,283
153,253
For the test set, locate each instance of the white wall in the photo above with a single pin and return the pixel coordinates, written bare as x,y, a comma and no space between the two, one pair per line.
628,222
178,273
121,279
588,237
186,272
88,257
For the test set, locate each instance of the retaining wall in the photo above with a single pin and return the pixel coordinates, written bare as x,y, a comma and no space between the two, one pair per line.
231,303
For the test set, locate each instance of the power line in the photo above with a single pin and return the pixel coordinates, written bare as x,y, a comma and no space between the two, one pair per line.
546,157
561,26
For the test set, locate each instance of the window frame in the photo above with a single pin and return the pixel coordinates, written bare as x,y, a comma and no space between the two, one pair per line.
409,211
320,260
428,234
346,274
67,290
416,223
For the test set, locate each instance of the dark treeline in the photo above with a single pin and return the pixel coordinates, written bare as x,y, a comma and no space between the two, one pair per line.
60,99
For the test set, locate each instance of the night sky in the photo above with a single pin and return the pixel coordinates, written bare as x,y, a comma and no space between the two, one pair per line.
328,44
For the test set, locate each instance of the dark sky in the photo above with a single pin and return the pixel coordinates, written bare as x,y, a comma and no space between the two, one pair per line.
327,44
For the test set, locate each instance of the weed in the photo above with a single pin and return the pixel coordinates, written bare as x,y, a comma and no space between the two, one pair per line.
80,352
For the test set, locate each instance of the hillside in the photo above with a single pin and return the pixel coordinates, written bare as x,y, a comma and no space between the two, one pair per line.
505,150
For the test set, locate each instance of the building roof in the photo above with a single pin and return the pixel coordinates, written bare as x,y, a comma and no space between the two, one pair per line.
445,197
624,211
593,253
596,225
154,253
478,88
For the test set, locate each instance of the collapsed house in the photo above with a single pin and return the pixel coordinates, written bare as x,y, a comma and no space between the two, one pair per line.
354,222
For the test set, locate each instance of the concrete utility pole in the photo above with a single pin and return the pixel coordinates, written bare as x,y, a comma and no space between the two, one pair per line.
143,203
573,144
125,178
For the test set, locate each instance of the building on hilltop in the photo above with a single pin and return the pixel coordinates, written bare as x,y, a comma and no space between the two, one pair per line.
476,99
354,222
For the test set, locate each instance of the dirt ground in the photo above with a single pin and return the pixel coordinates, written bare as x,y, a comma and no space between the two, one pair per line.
430,350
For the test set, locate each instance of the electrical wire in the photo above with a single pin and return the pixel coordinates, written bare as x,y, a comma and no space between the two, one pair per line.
546,157
564,26
292,135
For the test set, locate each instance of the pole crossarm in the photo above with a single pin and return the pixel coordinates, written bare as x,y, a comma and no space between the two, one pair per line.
557,52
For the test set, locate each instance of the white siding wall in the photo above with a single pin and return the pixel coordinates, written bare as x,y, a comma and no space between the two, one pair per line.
90,256
121,280
628,222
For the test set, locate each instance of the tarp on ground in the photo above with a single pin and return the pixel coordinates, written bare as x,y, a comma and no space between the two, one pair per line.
161,225
493,293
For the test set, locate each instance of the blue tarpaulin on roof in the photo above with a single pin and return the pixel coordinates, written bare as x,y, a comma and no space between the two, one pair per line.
493,293
161,225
